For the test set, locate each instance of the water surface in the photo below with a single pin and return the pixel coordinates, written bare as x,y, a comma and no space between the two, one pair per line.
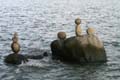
37,23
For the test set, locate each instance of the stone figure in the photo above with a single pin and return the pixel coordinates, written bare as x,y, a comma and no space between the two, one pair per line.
85,48
15,57
78,30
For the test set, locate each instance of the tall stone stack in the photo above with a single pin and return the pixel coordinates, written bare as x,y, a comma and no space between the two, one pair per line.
15,46
80,48
15,57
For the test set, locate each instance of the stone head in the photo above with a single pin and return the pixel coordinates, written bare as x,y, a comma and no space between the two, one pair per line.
61,35
90,30
15,37
15,34
77,21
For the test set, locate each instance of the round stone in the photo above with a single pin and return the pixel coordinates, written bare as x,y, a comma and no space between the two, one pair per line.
61,35
90,30
77,21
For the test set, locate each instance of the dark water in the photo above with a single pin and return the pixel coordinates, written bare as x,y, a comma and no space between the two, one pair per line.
38,21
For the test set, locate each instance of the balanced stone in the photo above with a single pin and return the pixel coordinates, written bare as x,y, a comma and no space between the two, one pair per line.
90,31
61,35
80,48
15,58
58,45
78,30
15,46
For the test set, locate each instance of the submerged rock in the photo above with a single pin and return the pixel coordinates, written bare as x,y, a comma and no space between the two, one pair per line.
85,48
45,54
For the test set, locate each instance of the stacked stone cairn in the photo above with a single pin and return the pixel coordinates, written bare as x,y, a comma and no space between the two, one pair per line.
86,48
15,57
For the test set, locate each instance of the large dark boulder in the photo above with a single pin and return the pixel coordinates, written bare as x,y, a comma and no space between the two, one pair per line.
85,48
57,49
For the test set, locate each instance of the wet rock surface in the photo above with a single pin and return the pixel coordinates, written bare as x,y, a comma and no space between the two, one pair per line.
86,48
15,59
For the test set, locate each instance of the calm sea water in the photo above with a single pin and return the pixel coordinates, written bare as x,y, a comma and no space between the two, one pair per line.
37,23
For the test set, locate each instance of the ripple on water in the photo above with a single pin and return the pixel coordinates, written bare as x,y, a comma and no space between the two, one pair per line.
37,23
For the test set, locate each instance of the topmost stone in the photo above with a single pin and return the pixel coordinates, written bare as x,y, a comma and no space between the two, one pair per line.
78,21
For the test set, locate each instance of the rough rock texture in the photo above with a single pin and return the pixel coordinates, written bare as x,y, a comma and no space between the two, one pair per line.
86,48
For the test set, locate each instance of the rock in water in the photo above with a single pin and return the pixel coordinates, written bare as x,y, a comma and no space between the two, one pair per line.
57,50
57,46
15,59
86,48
